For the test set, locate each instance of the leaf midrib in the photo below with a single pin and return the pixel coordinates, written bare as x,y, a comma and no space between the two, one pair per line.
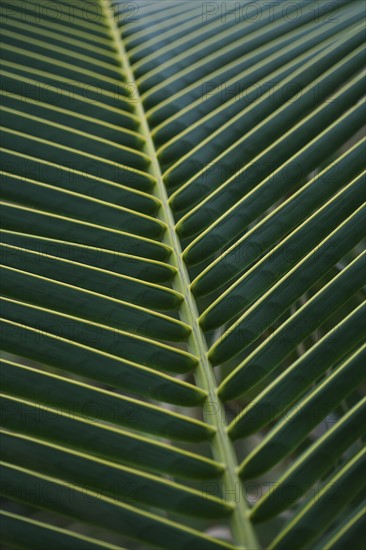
222,447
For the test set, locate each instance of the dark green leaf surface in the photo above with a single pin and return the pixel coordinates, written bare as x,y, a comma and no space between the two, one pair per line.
182,188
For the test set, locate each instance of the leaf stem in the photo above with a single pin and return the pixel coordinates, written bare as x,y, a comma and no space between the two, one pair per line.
222,447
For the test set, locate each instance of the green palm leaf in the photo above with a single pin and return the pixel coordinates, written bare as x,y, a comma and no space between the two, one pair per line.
182,274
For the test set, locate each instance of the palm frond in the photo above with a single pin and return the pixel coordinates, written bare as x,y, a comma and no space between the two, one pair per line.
183,189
